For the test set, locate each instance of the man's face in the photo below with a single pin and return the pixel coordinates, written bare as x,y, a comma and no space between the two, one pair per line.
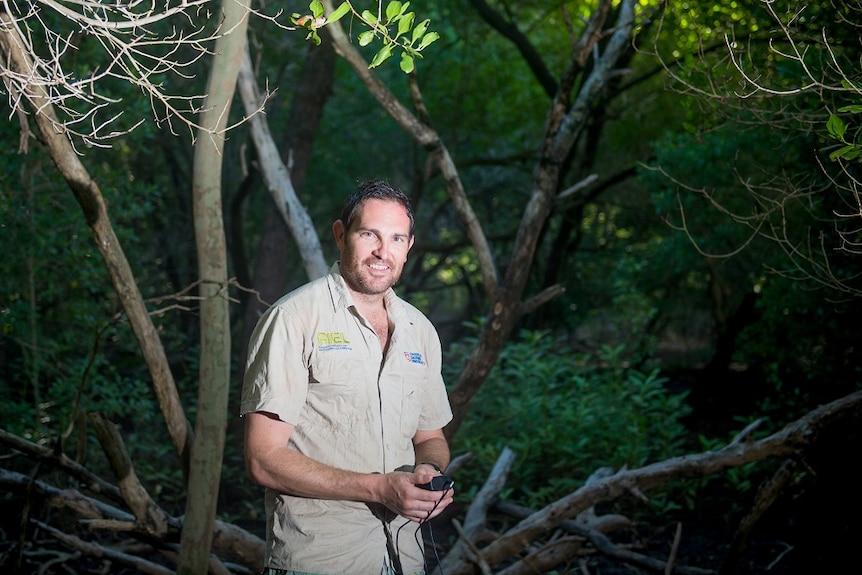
374,249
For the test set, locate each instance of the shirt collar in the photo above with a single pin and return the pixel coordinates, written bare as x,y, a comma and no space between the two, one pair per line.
341,298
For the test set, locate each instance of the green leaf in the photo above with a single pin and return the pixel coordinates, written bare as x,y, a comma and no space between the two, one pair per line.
407,63
316,8
852,108
849,152
836,127
393,9
314,37
366,38
427,39
369,17
381,56
405,23
338,13
419,31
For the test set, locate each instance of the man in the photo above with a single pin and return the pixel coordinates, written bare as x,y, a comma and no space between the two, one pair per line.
344,406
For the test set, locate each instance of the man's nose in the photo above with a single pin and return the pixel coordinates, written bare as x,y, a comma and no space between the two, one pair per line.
382,249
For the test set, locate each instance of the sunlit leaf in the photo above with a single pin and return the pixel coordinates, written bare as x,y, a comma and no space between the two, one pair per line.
427,39
339,12
407,63
393,9
420,29
369,17
366,38
405,23
381,56
316,8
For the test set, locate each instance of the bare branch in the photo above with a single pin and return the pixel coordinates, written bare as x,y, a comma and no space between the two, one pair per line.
149,516
144,44
789,442
96,550
429,139
60,460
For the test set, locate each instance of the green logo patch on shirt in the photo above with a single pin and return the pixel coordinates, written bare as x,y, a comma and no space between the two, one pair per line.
331,338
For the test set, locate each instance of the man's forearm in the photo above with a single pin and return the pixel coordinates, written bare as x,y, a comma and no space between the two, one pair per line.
433,450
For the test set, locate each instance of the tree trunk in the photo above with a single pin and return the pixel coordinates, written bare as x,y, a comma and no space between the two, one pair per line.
277,177
214,383
567,118
306,113
89,197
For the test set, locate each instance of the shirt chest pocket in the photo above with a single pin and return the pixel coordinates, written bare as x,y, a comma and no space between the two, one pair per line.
414,381
338,390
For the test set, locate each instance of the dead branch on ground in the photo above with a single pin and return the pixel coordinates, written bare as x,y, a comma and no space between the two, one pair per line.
520,540
567,530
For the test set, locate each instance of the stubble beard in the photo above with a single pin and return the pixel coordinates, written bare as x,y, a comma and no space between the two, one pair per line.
367,284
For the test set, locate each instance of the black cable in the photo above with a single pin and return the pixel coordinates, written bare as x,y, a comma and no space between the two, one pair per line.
434,547
419,543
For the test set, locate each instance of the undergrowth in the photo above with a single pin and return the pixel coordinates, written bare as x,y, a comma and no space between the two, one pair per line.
565,415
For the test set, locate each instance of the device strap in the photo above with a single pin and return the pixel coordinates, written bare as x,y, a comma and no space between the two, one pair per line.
392,549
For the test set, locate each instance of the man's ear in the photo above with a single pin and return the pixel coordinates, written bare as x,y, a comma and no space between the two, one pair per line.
338,232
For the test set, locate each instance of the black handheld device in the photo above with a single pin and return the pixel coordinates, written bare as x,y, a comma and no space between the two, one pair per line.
438,483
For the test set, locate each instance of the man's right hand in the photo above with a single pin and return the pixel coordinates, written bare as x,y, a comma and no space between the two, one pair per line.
401,493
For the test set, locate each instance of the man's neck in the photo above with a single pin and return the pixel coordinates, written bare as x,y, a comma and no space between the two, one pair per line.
373,309
369,305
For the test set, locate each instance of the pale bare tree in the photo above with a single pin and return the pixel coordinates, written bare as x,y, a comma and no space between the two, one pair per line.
823,66
506,294
215,367
143,44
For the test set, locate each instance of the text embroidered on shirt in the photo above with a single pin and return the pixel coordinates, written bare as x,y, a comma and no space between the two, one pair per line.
330,340
414,357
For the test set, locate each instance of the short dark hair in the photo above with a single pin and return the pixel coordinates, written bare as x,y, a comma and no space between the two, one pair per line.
378,190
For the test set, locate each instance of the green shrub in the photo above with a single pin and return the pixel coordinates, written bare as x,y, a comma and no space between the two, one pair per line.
565,415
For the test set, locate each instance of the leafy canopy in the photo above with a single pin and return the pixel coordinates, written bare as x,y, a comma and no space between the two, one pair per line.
396,27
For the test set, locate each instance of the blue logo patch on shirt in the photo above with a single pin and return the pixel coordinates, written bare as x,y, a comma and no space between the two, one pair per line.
414,357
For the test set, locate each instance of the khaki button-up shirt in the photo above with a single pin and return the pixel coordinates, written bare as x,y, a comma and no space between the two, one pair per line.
316,363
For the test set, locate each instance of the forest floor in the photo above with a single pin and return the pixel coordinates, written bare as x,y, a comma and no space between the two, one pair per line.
813,528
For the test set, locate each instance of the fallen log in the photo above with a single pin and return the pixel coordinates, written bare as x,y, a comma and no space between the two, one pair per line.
789,442
230,543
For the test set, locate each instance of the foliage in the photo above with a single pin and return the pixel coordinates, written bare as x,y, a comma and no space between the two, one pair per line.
803,344
851,148
627,273
803,84
566,415
699,186
408,36
66,347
